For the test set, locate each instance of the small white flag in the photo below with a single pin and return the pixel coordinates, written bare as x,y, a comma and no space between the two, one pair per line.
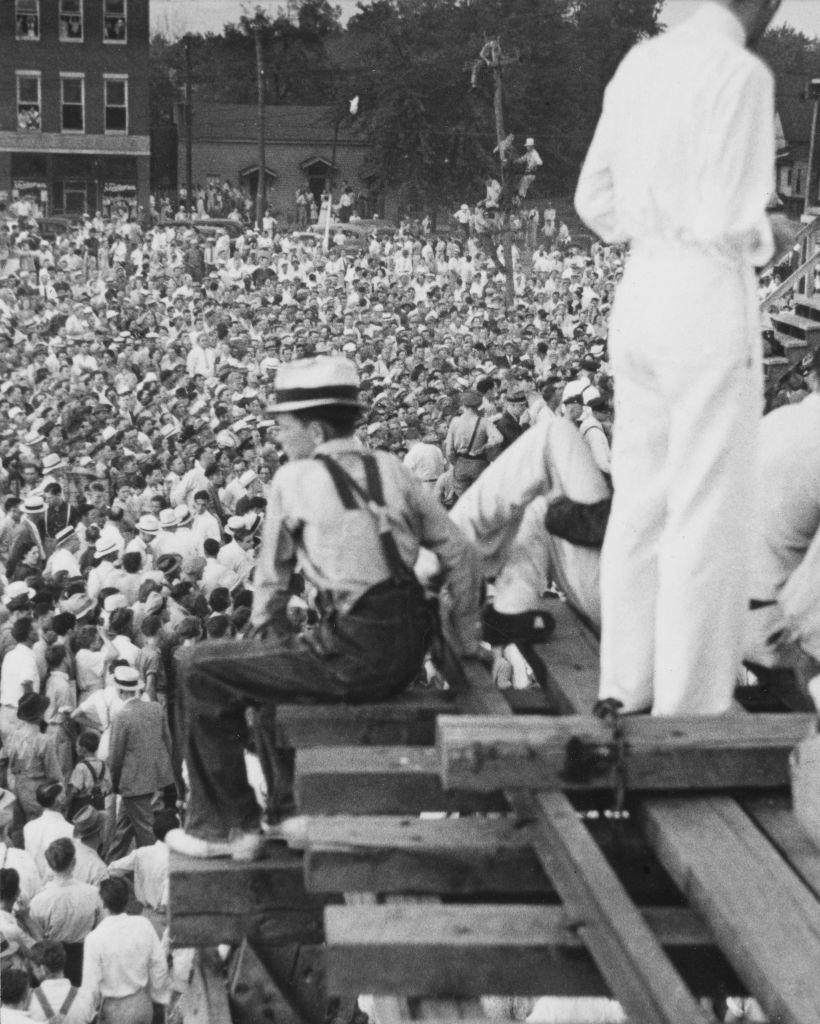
354,105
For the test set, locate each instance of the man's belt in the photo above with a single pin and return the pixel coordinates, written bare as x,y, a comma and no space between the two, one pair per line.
477,458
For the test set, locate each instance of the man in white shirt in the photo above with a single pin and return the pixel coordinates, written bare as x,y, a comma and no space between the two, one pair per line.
682,167
18,674
39,833
149,865
124,969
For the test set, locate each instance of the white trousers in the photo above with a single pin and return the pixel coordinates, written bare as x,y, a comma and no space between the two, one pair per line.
503,514
685,353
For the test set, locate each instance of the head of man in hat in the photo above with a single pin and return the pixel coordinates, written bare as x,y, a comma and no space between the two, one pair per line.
317,400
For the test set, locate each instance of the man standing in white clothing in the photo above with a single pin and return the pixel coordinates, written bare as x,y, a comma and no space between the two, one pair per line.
682,167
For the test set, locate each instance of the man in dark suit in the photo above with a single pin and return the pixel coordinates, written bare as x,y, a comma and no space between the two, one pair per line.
139,758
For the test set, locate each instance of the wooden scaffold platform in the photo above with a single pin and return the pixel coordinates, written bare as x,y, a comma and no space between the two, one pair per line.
655,861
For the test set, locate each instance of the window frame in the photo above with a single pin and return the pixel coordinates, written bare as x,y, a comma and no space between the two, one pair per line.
106,104
71,76
38,77
106,17
61,15
28,39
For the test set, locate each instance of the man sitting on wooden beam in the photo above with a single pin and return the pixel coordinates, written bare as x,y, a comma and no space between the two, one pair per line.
352,522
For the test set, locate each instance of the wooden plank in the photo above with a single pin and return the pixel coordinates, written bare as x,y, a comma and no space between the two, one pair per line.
406,719
273,928
396,854
760,913
774,817
427,950
216,901
567,666
486,754
461,856
379,780
627,953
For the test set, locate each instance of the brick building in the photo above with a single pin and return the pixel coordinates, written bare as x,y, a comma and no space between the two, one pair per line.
299,151
74,122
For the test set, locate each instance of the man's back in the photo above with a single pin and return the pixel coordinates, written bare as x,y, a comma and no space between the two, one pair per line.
67,910
139,751
685,148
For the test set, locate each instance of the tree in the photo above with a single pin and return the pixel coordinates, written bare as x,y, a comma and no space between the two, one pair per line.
432,136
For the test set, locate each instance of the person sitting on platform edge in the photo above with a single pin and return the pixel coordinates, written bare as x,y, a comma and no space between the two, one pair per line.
352,522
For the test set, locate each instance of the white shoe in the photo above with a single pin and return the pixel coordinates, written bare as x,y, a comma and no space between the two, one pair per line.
239,845
293,831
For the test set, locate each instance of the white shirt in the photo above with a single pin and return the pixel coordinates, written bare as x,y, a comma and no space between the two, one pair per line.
425,461
684,151
150,867
23,863
39,833
19,665
121,956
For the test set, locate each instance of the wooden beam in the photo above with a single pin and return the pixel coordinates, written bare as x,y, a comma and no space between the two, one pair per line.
774,817
408,719
427,950
626,951
216,901
764,918
567,666
379,780
453,857
486,754
461,856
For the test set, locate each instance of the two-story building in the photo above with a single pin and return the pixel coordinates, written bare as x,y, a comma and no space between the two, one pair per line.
74,121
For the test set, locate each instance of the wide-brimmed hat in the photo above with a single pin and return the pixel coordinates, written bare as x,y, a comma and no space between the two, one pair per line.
168,519
126,678
63,535
105,546
18,589
315,383
31,707
88,821
148,524
182,514
51,462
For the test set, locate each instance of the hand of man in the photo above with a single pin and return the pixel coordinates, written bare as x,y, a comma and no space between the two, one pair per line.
784,232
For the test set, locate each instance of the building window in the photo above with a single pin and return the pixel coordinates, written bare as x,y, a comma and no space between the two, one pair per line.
115,21
28,101
27,19
116,104
72,90
71,21
798,181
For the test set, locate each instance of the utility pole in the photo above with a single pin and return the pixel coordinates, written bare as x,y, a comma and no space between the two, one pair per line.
261,180
492,56
189,177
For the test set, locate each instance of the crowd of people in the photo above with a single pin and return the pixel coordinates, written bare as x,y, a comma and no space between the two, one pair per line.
137,443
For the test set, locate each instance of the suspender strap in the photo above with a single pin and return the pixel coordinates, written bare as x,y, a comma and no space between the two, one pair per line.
94,777
69,999
472,439
372,500
45,1005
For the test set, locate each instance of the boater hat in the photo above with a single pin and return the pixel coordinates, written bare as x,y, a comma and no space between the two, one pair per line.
313,383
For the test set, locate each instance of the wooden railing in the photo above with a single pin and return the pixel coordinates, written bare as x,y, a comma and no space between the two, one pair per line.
805,270
807,240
